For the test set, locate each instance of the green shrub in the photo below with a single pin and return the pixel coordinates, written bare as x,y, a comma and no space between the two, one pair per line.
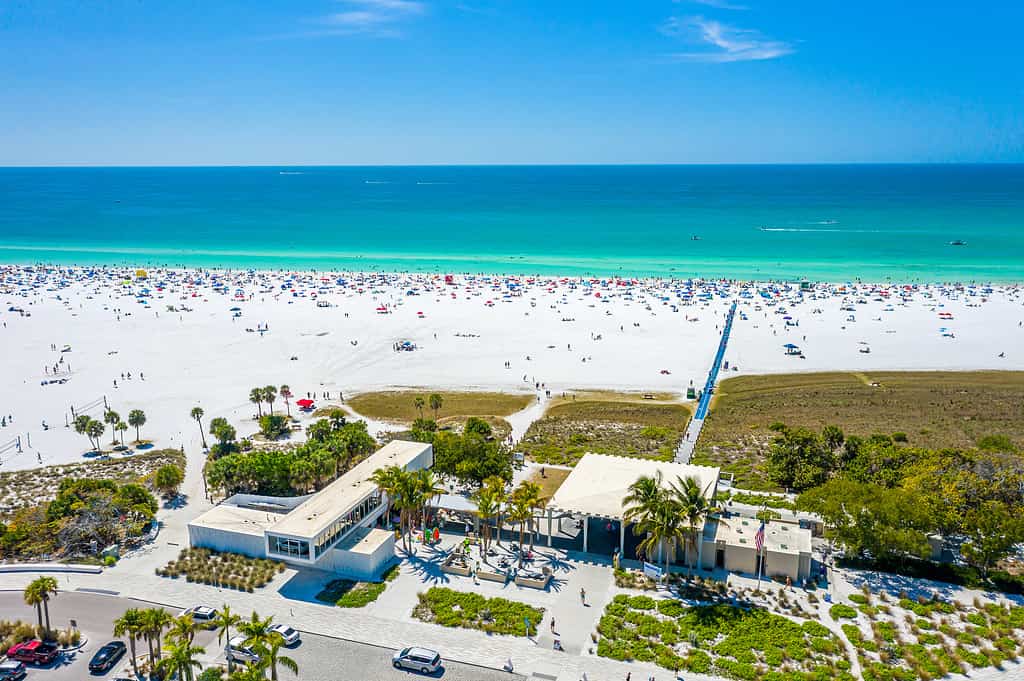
842,611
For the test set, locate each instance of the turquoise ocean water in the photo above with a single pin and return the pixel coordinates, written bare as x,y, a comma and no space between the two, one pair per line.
822,222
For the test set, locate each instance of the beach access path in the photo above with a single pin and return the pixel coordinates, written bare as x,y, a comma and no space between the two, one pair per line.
685,450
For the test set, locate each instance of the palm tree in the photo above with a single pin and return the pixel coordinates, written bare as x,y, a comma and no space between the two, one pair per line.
180,661
197,416
256,629
532,496
130,624
183,629
33,598
121,427
223,622
256,397
419,403
427,487
38,593
286,395
695,508
524,499
112,418
270,394
94,430
662,527
155,620
136,419
270,651
487,507
250,672
386,480
496,486
435,403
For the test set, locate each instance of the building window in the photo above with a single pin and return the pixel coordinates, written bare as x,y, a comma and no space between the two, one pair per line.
340,527
293,548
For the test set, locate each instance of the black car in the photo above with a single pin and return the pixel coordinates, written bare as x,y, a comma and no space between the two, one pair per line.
107,656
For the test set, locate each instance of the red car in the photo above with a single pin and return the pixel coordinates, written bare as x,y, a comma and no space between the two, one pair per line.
33,652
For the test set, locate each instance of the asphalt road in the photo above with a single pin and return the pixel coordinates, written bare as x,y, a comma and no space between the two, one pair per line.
320,658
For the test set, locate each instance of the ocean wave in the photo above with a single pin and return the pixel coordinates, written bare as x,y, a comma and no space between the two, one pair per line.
376,182
818,229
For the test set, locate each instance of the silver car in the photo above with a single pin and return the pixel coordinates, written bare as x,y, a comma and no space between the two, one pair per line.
237,651
417,659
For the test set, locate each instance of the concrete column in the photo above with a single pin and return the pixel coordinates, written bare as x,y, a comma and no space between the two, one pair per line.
549,526
622,538
700,550
586,527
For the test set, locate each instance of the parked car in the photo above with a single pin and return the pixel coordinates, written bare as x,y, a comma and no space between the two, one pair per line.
417,659
202,615
237,651
290,636
12,670
107,656
33,652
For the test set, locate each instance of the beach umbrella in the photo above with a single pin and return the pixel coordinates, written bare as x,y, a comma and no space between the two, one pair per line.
790,346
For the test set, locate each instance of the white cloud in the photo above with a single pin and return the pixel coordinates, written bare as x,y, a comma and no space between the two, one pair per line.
377,17
724,43
717,4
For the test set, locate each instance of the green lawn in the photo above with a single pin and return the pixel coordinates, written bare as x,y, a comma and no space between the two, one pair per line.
933,409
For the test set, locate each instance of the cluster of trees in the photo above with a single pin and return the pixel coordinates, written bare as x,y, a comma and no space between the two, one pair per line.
408,492
882,499
269,394
471,456
87,514
667,516
93,429
333,446
495,505
167,479
434,400
172,655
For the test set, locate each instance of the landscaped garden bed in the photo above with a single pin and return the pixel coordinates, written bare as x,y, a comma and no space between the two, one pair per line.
230,570
738,642
922,639
346,593
472,611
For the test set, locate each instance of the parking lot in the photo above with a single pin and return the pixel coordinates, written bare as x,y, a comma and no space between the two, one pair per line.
320,658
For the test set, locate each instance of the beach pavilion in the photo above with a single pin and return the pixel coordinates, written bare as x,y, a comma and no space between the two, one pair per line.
598,484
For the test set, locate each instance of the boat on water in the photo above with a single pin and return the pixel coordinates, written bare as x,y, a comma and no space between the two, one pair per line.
958,242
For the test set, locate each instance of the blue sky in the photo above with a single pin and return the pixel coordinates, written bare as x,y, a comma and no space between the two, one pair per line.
509,81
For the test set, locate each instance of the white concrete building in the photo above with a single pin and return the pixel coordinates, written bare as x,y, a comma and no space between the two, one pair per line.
329,530
599,483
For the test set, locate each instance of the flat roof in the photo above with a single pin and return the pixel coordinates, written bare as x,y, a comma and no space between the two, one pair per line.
313,516
778,537
599,483
230,518
366,540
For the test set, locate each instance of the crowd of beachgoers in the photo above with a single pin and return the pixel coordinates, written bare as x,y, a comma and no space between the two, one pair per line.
167,339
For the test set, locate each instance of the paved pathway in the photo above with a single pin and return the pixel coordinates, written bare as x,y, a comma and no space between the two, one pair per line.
685,450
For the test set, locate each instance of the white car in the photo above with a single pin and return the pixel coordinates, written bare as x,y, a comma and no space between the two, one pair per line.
203,615
417,659
237,651
290,636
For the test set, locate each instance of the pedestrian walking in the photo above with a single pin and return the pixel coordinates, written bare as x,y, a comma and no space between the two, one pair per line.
583,595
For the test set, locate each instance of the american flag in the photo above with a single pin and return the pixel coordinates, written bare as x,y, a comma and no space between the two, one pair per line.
759,538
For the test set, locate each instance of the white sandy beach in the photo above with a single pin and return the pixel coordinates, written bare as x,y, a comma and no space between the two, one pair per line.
564,333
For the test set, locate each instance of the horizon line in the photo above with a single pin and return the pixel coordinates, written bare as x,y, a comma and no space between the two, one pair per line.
74,166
